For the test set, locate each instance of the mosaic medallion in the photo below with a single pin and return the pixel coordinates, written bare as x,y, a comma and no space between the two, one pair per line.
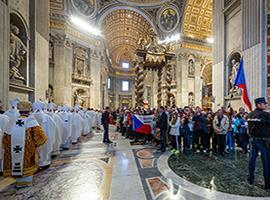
85,7
168,19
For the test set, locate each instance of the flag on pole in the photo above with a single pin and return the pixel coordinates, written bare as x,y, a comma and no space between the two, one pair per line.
143,123
240,82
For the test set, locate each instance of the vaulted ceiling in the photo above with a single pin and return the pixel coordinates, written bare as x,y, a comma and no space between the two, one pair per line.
198,19
122,30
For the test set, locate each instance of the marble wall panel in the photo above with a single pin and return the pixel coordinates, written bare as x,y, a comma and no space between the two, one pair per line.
95,94
234,32
41,67
4,55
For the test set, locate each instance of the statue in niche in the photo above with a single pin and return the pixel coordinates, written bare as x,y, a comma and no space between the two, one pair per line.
191,99
233,91
191,68
17,54
78,99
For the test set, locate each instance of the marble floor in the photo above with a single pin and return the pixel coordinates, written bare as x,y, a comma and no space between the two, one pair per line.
121,171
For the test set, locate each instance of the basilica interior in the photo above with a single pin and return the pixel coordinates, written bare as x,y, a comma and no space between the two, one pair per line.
123,54
127,53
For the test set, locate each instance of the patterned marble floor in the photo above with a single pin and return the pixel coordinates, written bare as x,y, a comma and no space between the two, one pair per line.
91,170
83,172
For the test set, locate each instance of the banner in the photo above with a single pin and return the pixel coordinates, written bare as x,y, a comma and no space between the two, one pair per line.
143,123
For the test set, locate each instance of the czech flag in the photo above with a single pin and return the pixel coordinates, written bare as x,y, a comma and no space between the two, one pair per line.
140,125
240,82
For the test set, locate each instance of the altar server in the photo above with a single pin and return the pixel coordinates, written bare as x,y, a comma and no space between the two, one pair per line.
59,129
49,127
20,142
77,124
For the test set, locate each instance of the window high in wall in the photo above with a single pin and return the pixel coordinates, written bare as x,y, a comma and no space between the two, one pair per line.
125,86
125,65
109,83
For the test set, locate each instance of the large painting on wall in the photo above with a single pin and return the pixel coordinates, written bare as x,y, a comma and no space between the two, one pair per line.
168,19
86,7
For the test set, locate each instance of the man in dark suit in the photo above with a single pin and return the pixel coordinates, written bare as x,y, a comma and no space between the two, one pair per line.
163,125
105,122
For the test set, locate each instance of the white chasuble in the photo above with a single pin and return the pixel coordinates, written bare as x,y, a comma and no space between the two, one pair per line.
77,127
49,127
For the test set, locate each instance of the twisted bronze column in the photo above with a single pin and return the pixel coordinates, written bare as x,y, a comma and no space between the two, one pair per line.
170,96
139,84
159,89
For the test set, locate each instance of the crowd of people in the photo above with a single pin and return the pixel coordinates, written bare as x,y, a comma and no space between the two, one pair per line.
198,130
27,130
183,129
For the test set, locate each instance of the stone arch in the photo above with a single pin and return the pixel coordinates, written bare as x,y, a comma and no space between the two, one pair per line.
14,14
112,8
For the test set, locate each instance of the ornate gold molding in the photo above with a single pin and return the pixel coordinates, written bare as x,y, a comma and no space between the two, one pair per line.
193,46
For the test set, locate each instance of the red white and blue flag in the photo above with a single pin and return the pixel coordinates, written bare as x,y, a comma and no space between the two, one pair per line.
143,123
240,82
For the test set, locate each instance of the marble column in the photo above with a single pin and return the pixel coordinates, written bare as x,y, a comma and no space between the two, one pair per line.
62,72
4,55
42,50
198,83
178,77
185,81
95,93
218,54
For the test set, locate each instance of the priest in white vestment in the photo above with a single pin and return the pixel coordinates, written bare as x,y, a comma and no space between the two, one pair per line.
13,112
77,125
86,123
21,139
66,116
4,119
49,127
59,129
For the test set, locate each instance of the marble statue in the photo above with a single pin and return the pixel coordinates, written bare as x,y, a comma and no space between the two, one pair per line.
18,52
190,99
233,91
78,99
191,68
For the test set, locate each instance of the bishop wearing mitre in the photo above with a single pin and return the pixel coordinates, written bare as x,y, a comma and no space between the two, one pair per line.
21,140
13,111
49,127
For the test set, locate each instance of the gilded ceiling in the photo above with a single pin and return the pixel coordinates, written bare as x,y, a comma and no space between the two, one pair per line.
144,2
198,19
122,30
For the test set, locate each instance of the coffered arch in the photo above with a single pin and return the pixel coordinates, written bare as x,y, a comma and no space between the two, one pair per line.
198,19
122,29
